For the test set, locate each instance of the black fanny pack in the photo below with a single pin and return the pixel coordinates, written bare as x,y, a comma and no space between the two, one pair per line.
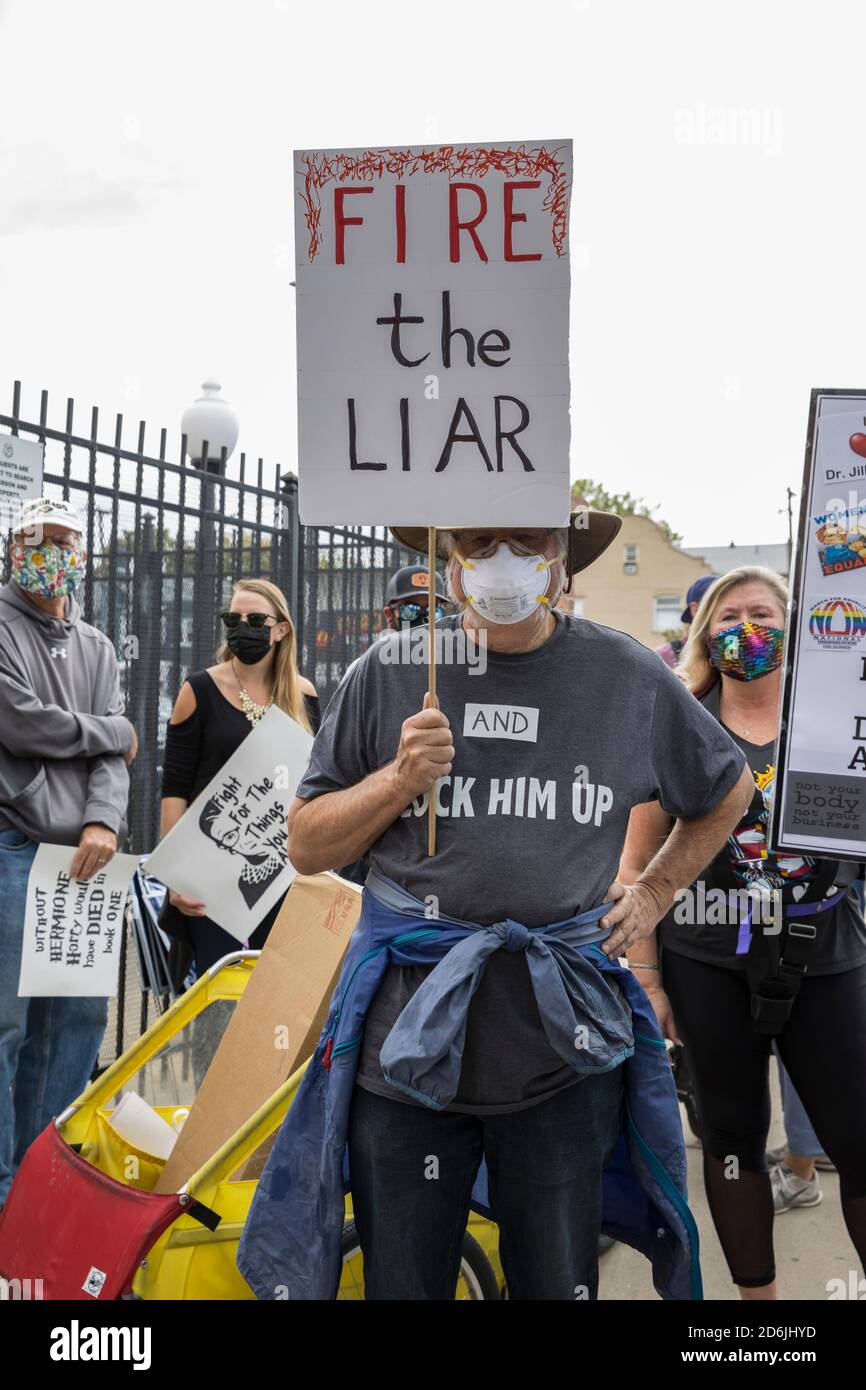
775,977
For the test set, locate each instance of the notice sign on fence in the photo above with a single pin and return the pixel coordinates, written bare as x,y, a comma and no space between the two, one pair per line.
21,464
73,931
820,804
432,317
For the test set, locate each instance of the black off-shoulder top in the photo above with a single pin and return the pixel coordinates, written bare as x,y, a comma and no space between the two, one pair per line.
197,747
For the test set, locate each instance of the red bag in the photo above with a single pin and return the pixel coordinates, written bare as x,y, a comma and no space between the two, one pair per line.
78,1231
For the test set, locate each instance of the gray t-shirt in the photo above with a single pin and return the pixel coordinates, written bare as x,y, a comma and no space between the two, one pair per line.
552,750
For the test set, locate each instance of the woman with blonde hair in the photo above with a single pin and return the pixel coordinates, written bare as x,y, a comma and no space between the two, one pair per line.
762,946
214,712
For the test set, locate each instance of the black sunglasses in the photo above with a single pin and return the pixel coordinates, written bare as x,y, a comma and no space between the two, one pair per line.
256,620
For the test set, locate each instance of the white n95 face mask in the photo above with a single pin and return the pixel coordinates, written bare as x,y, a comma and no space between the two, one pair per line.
506,588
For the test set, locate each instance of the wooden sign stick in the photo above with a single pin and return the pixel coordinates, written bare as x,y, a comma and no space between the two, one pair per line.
431,670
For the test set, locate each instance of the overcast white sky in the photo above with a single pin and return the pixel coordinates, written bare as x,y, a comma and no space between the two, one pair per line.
717,227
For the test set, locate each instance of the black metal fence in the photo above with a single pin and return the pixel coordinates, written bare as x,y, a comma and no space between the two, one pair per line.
168,541
168,538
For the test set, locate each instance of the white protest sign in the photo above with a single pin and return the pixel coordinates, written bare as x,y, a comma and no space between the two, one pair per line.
21,465
432,321
73,931
229,847
820,805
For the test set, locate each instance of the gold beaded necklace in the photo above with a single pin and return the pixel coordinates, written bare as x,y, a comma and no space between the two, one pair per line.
252,711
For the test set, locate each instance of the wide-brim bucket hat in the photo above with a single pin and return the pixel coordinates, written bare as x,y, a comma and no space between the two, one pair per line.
589,535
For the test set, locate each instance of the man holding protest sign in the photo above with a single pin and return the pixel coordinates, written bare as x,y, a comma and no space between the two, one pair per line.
494,1042
482,1025
65,747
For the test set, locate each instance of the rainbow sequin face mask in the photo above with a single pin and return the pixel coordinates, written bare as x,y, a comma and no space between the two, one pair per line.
51,571
747,650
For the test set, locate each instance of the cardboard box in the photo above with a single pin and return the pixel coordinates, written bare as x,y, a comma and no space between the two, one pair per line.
286,997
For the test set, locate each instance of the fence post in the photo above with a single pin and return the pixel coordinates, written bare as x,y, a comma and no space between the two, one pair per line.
291,547
146,685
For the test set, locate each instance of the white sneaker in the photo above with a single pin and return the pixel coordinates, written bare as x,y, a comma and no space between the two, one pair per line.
790,1191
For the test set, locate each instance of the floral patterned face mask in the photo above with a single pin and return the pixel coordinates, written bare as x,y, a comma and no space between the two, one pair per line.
51,571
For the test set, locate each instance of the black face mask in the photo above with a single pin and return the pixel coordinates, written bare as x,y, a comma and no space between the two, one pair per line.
248,646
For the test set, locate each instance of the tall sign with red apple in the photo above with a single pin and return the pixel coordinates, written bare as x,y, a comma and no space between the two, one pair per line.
820,801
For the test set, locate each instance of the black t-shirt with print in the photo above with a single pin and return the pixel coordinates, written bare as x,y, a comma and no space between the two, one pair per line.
707,929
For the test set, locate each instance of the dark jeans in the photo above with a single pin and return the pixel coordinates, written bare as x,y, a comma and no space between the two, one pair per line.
48,1045
412,1175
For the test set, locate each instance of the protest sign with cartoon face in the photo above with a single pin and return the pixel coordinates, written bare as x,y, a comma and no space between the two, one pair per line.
229,847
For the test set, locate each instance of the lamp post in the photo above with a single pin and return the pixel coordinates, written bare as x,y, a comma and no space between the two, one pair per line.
210,426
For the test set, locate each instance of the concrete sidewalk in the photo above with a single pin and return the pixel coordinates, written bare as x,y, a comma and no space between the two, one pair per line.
812,1244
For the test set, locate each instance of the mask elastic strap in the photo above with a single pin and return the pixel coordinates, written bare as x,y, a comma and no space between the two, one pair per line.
544,565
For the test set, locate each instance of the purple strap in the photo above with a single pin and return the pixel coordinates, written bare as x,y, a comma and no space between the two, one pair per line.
806,909
744,935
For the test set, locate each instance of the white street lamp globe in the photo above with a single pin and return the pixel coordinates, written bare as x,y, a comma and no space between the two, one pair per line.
210,418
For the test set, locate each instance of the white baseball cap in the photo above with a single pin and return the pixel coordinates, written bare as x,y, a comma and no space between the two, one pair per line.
36,512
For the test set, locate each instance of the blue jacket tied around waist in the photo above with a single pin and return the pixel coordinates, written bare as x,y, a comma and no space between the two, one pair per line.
596,1016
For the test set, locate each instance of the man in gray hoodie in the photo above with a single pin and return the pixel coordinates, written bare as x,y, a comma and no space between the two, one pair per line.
65,749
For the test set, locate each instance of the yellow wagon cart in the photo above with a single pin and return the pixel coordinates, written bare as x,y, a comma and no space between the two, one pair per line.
194,1257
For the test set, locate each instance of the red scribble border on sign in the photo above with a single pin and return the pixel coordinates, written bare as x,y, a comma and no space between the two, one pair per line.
469,161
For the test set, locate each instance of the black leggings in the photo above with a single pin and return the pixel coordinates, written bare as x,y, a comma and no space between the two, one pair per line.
823,1046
